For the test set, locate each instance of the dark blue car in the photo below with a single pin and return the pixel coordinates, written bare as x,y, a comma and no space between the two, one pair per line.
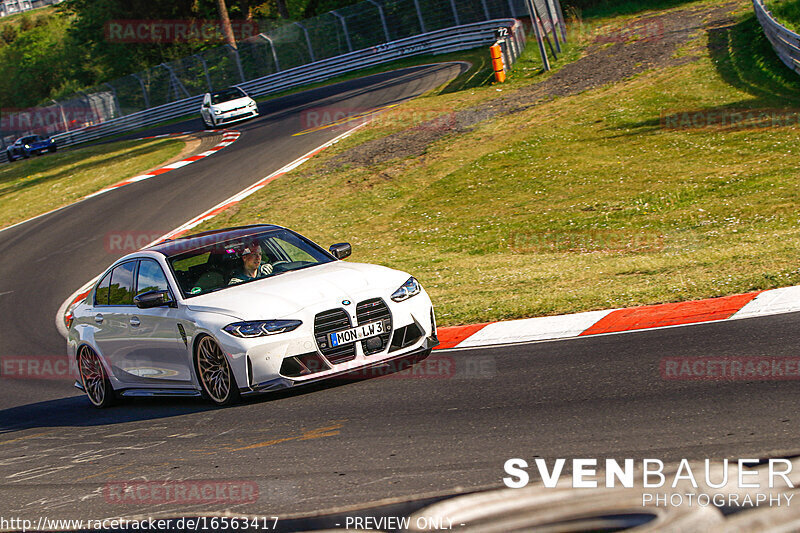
31,144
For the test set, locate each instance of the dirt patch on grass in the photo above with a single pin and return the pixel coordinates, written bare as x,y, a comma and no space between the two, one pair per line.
601,65
195,144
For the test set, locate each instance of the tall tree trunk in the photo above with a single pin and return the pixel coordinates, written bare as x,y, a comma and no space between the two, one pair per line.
227,31
311,9
283,10
244,5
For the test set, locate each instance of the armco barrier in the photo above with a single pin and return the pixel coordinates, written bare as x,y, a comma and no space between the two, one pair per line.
437,42
785,42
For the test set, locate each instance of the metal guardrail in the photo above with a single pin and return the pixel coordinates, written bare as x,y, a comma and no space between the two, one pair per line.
785,42
437,42
366,25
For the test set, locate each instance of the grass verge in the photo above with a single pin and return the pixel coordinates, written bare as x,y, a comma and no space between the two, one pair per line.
14,18
39,184
581,203
477,75
787,12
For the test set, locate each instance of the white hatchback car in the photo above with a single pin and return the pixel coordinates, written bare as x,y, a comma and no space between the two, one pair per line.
240,311
227,106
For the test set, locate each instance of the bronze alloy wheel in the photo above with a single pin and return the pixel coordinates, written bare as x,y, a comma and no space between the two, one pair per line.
94,379
215,373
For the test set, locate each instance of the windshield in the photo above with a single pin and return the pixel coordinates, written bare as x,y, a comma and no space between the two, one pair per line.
228,94
28,140
227,263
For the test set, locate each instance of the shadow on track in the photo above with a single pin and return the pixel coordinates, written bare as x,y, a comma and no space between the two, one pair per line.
281,107
329,95
76,411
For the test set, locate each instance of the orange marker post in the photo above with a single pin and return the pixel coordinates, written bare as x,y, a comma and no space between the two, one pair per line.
497,63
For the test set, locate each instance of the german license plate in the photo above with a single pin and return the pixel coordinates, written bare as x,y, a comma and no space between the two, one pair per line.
357,333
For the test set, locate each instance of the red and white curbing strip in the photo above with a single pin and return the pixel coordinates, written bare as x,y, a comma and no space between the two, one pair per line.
761,303
228,137
64,311
753,304
260,184
166,135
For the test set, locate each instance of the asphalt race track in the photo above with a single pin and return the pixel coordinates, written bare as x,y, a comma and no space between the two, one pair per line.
448,424
47,259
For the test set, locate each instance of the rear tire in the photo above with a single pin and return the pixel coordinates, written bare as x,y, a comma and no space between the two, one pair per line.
214,373
94,379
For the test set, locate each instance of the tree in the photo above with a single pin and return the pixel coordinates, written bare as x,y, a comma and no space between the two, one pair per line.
283,9
8,34
227,30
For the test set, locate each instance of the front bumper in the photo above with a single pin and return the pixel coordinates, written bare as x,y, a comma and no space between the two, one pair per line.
285,383
297,356
235,117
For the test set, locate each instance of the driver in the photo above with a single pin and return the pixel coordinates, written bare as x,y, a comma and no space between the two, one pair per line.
251,265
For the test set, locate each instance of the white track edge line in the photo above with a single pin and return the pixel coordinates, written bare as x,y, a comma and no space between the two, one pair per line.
62,328
458,347
97,193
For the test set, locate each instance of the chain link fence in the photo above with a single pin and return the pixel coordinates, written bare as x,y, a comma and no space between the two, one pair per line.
359,27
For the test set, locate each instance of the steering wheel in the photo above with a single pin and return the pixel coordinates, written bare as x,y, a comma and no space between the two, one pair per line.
277,268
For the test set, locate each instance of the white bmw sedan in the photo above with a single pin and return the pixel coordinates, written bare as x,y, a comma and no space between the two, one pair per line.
240,311
227,106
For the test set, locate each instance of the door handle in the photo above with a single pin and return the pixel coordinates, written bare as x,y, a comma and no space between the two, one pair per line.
98,318
135,321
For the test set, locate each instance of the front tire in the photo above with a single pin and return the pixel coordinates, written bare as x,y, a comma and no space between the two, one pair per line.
10,157
94,379
214,372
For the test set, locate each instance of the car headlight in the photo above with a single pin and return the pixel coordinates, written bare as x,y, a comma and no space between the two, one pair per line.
217,112
27,146
260,328
252,104
407,290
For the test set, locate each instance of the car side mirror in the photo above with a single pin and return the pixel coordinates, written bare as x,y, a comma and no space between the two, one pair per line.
150,299
341,250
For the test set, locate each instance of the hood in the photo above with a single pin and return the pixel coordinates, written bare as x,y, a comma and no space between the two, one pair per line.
282,296
232,104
